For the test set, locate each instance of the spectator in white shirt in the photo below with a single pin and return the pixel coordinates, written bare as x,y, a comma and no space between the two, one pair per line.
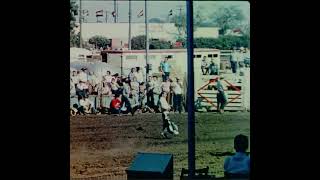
75,78
108,77
132,74
114,86
177,95
93,83
135,90
72,88
238,165
83,77
150,94
139,75
165,108
165,87
204,66
156,92
86,106
83,80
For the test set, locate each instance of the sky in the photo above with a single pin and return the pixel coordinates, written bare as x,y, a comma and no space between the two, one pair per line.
156,9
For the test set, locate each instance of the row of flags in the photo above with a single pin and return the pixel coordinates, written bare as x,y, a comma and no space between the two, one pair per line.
113,13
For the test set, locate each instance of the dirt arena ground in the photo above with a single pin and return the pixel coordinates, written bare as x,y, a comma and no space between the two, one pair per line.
104,145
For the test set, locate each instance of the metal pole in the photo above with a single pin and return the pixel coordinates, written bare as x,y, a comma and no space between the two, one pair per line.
121,64
114,10
191,116
129,41
107,16
80,22
117,14
147,39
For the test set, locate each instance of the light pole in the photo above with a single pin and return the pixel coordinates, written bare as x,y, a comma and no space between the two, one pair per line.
80,22
129,41
147,39
191,116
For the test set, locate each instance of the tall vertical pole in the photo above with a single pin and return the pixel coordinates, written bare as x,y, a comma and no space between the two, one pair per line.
121,64
107,16
191,116
80,22
147,39
117,12
180,19
129,40
114,10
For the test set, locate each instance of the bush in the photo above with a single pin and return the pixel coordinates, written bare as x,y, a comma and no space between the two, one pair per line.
138,43
160,44
100,41
223,42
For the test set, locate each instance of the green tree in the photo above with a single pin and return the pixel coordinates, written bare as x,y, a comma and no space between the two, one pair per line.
181,22
99,41
227,17
139,43
73,13
74,39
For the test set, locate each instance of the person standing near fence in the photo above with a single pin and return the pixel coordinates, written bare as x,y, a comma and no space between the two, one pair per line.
156,93
132,74
83,80
177,95
234,62
221,96
135,91
165,69
165,108
204,66
150,94
213,68
139,75
166,87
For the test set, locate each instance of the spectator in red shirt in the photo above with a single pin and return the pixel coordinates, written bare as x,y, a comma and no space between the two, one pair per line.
115,105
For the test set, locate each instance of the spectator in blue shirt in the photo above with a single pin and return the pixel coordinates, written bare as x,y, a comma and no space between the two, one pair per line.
165,69
238,164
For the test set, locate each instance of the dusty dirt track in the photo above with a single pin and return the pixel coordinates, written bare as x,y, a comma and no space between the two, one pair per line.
104,145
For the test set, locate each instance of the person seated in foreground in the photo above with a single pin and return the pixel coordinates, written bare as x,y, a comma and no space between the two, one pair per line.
238,165
115,105
86,106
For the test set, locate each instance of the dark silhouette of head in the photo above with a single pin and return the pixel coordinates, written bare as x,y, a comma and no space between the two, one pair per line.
241,143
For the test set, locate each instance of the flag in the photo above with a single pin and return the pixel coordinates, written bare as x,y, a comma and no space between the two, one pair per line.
170,12
99,13
113,13
140,13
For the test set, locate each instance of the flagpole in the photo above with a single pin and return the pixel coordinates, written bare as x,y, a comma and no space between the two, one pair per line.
107,16
147,39
114,10
117,13
129,43
80,22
